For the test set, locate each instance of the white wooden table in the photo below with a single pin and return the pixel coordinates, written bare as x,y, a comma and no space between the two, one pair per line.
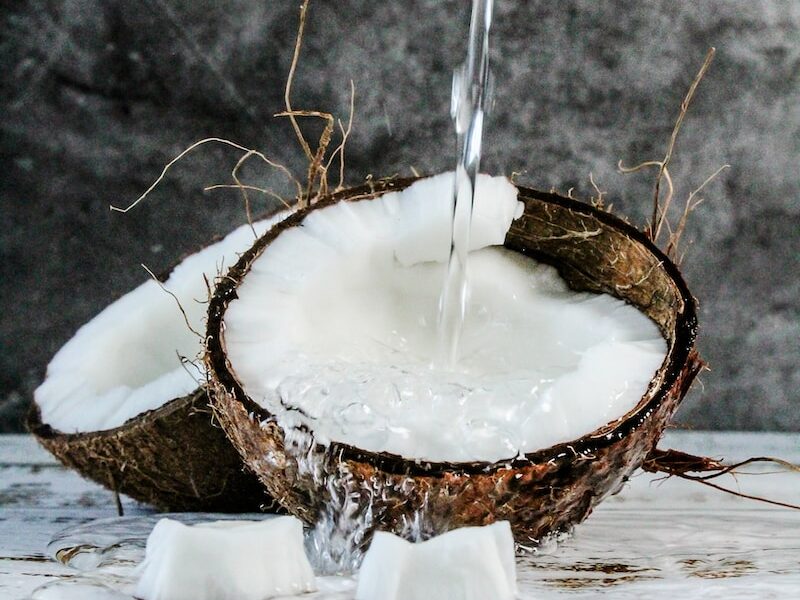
669,539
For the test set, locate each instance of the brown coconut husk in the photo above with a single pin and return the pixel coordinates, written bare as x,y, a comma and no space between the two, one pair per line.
543,492
173,458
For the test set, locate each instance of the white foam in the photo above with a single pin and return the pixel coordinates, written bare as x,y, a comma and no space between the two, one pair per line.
337,319
125,361
225,560
471,563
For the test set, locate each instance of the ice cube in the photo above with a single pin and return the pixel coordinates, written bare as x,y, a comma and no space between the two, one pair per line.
225,560
471,563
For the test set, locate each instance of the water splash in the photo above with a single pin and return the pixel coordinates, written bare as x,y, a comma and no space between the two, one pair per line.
335,544
350,510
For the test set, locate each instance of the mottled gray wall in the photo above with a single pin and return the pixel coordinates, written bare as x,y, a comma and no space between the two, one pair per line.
98,95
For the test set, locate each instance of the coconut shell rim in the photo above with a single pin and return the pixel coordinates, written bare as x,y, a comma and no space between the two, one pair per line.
40,429
681,354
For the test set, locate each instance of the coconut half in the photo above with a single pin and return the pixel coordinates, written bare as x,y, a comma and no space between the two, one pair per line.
541,489
120,406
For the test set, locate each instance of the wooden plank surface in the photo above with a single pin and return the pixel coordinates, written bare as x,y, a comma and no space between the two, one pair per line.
39,498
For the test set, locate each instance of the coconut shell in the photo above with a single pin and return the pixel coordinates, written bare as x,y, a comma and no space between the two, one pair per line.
173,458
541,493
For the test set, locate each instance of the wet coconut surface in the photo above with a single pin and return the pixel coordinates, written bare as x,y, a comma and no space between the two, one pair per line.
540,493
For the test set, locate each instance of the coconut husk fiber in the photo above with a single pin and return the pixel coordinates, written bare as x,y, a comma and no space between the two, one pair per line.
541,493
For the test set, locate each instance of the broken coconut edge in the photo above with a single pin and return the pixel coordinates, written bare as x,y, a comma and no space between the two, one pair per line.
544,492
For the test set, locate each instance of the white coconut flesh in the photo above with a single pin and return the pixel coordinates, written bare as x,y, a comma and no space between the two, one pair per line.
126,360
225,560
471,563
335,328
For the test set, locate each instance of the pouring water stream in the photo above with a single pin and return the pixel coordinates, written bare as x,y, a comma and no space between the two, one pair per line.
470,102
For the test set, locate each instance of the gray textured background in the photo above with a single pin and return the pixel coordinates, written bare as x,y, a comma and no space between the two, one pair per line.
97,96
